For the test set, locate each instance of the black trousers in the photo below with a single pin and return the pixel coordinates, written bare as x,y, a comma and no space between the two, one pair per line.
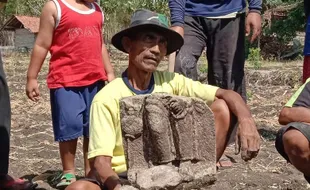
225,41
5,122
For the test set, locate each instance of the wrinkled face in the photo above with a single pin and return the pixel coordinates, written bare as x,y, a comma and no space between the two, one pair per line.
146,50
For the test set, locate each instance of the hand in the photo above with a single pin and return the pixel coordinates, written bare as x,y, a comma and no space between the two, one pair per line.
32,89
247,139
178,29
111,76
254,23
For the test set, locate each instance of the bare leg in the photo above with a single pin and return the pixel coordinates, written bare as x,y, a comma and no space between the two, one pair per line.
67,153
222,126
82,185
296,146
85,151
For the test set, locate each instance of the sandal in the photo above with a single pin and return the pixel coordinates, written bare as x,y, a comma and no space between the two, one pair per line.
224,162
66,180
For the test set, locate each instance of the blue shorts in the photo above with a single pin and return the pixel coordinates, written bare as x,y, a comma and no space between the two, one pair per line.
70,110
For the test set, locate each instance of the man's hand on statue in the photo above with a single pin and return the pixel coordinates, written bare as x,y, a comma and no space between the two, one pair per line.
247,139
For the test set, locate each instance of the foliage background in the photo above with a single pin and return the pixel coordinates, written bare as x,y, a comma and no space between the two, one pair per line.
282,20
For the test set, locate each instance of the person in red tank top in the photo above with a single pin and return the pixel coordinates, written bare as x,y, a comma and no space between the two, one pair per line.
71,30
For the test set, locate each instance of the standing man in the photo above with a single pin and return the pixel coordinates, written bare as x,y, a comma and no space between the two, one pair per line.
6,181
221,26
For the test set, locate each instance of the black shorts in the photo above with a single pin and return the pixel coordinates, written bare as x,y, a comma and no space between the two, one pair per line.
122,176
302,127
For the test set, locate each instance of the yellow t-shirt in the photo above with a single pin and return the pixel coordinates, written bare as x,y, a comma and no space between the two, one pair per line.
105,127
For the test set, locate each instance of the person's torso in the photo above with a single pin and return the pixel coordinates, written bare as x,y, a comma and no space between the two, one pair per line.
213,8
119,89
76,57
161,82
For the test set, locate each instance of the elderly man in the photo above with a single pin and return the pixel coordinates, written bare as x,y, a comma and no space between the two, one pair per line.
293,140
147,41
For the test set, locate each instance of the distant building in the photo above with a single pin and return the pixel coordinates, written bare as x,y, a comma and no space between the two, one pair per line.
20,32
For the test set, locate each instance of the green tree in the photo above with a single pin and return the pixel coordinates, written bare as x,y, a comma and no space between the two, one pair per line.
25,7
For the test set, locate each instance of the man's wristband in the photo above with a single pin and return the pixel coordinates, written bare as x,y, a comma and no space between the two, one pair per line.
255,11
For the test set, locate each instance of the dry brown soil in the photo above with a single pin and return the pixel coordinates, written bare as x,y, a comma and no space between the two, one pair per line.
33,150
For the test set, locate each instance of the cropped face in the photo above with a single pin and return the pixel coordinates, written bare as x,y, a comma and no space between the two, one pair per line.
146,49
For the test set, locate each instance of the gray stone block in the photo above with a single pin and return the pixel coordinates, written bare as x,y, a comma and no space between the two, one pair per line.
169,141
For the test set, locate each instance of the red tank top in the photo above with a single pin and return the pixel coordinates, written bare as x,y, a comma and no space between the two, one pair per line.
76,57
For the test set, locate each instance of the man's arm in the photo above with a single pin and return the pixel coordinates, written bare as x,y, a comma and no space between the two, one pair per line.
104,173
294,114
102,139
255,6
235,103
254,20
177,10
248,139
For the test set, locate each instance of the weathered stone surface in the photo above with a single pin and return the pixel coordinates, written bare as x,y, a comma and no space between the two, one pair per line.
169,141
128,187
159,177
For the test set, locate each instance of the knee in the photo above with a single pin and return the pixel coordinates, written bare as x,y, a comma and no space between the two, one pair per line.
220,108
296,144
78,185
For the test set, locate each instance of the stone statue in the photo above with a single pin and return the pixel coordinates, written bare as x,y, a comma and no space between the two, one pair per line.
169,141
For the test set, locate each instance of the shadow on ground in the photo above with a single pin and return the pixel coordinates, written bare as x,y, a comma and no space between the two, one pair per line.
268,134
